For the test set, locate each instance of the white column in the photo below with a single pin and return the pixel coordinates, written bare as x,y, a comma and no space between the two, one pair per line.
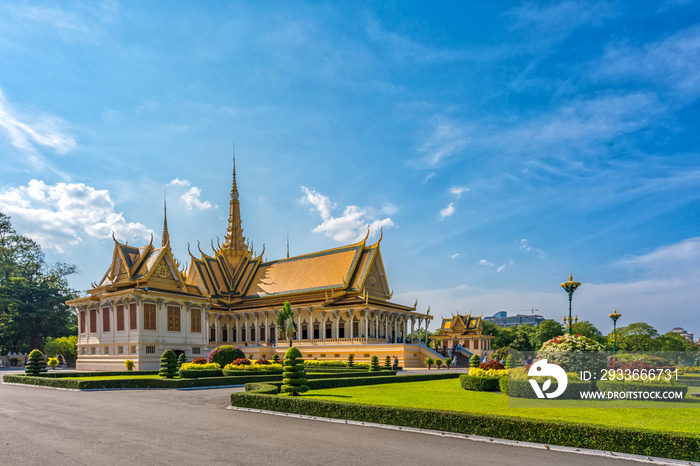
267,328
257,330
217,329
366,332
352,325
413,321
323,325
396,328
386,326
298,311
376,324
277,330
247,330
426,331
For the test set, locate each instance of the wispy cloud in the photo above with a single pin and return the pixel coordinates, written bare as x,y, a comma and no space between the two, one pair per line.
350,226
525,247
458,191
446,140
63,214
490,265
27,131
680,259
447,211
559,19
455,256
673,63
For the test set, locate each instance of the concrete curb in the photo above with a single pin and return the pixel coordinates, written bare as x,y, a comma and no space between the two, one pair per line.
117,389
478,438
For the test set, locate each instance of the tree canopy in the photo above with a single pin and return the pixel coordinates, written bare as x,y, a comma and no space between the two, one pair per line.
32,294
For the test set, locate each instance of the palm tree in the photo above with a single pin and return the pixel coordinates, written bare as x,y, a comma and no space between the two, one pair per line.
285,321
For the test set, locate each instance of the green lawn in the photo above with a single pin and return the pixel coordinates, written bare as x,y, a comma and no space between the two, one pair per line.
449,395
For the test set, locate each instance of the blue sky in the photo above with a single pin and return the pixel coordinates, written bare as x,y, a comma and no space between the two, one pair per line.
501,145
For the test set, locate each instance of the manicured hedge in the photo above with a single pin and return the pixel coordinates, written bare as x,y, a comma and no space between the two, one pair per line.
235,373
262,388
479,384
312,369
199,373
615,386
61,374
636,441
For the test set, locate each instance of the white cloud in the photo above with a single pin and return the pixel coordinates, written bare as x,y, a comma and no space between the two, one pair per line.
673,63
179,182
26,130
192,200
458,191
485,263
446,140
447,211
676,260
455,256
350,226
525,247
63,214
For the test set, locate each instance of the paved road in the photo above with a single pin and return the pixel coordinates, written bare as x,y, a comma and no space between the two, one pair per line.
45,426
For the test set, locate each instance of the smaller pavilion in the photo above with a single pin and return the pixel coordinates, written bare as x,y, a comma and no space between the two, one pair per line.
465,331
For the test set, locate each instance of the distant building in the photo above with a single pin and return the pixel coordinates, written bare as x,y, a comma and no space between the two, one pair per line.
682,332
502,320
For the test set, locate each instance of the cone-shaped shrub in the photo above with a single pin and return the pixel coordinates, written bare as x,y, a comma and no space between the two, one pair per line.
35,363
181,359
374,364
294,373
387,361
276,358
475,361
351,360
168,364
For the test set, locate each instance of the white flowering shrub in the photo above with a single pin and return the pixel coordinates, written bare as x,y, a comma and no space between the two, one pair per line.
574,353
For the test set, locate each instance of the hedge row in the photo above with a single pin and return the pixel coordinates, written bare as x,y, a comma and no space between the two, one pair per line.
199,373
129,383
262,388
480,384
61,374
636,441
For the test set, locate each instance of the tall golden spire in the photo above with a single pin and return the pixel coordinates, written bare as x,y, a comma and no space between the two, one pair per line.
166,235
235,242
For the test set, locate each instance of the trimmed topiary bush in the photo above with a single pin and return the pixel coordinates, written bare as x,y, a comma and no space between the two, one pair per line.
35,363
480,384
574,353
438,363
294,375
276,358
387,361
374,364
448,361
474,361
129,364
168,364
351,360
181,359
429,362
225,354
53,362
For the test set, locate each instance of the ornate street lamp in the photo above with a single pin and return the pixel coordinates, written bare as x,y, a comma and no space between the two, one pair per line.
570,287
614,316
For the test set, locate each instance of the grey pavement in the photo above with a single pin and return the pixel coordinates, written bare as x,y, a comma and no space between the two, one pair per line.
149,427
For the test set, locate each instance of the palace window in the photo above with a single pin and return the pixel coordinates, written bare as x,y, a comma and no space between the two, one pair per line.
224,334
212,334
196,316
252,333
120,318
120,350
316,332
304,331
149,316
150,349
105,319
196,350
233,334
93,320
82,321
92,350
133,320
329,330
173,318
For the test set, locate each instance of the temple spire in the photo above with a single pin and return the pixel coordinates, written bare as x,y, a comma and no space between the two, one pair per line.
235,242
166,235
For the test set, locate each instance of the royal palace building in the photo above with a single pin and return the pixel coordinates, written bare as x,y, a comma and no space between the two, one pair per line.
147,302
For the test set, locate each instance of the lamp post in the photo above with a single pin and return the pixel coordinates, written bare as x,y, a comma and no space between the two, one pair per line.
614,316
570,287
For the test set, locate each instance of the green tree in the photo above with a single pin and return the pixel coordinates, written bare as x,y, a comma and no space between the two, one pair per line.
429,362
545,331
589,330
448,361
63,346
638,336
285,321
32,294
672,341
521,342
374,364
